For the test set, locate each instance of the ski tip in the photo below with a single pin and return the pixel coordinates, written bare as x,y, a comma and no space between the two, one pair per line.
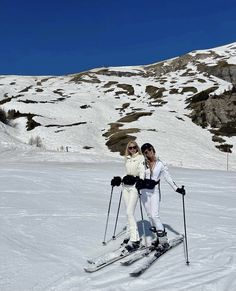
181,235
89,270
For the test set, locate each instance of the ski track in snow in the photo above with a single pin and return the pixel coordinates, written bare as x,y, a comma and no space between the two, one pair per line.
52,219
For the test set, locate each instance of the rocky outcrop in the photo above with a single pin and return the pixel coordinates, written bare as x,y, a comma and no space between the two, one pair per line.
222,70
216,111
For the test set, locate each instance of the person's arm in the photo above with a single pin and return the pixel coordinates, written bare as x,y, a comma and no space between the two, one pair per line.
166,175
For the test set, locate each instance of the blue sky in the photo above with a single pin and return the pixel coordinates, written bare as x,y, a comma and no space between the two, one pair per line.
62,37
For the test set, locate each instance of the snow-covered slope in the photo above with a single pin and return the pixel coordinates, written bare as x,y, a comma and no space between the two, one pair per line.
81,113
53,219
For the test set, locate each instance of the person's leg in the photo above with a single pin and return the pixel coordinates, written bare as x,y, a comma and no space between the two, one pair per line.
125,196
147,206
131,198
155,211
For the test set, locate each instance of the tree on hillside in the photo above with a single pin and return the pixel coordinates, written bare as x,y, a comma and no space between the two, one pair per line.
3,116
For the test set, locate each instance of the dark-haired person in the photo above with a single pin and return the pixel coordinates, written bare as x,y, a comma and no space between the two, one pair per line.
135,169
155,169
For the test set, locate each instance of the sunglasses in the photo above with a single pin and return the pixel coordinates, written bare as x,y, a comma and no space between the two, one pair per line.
132,148
148,150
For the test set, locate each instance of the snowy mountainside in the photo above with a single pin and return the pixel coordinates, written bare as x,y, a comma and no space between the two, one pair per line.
184,106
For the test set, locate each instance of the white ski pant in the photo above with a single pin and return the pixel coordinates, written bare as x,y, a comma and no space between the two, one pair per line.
130,195
150,200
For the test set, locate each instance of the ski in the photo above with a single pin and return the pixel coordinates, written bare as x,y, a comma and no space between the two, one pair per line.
106,256
154,257
109,259
119,247
137,256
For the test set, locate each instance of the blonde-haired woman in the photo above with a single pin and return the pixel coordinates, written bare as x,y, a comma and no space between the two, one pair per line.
135,168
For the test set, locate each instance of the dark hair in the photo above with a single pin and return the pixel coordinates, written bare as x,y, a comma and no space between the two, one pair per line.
146,146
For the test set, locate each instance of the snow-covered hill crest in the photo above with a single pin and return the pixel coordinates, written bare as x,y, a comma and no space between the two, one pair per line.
185,106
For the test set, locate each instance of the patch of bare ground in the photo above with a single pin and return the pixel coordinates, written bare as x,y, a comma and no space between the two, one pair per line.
133,116
118,138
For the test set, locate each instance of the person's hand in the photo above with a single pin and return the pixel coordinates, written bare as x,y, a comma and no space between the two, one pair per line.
116,181
181,191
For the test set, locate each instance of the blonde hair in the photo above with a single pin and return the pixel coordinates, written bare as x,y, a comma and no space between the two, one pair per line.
127,153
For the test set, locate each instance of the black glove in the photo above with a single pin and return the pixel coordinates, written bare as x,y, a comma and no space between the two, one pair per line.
116,181
181,190
139,184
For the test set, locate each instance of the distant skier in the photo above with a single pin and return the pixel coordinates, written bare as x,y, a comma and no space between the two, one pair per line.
155,169
135,169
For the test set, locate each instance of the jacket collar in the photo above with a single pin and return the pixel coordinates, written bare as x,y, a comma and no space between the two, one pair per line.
135,155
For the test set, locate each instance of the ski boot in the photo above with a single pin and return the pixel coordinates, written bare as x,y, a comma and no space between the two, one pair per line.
125,242
161,239
132,246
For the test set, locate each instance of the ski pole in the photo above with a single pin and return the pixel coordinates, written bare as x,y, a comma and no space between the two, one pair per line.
141,210
117,215
108,213
185,231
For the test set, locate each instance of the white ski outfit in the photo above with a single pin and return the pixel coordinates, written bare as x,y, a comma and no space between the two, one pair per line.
134,166
151,197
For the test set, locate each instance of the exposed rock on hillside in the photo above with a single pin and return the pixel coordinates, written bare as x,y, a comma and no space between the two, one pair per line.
222,70
209,107
216,110
118,138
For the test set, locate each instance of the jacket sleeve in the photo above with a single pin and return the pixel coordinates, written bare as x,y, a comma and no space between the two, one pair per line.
166,175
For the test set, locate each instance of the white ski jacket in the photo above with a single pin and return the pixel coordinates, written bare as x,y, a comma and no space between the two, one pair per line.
159,170
135,165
